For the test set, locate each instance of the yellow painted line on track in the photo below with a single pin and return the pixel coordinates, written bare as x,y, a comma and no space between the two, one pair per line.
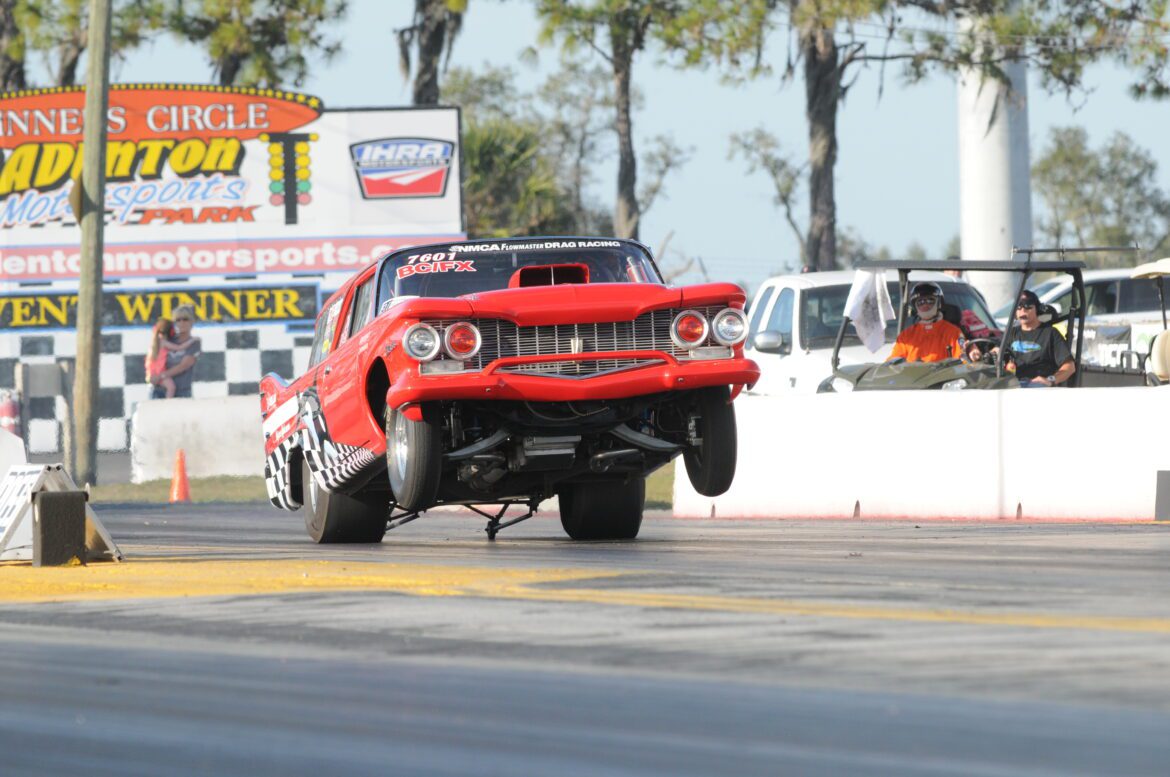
186,577
162,579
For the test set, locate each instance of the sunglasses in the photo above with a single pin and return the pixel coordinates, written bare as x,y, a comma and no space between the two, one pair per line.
1025,306
926,300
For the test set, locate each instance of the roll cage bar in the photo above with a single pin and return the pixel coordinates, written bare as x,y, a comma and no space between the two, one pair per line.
1025,268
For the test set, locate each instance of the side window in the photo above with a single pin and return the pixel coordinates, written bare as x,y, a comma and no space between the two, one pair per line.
362,307
1064,300
1102,298
781,318
758,311
1139,295
323,336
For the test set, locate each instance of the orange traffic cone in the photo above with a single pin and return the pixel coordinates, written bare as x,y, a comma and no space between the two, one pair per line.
180,489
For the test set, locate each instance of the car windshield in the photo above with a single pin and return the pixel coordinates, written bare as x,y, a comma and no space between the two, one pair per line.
466,268
821,311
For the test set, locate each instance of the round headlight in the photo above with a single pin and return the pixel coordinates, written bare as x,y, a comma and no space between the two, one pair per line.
729,327
841,386
421,342
462,340
689,329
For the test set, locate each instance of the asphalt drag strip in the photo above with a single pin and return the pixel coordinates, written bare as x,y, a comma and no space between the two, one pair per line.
228,644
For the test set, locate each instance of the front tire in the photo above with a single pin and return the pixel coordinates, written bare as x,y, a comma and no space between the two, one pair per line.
711,463
339,518
603,510
414,457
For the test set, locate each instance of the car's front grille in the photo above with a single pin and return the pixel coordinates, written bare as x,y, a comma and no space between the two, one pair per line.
571,368
648,332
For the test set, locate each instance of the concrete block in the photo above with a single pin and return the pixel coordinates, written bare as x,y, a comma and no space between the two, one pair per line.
11,451
42,436
38,380
1162,497
58,528
111,434
220,436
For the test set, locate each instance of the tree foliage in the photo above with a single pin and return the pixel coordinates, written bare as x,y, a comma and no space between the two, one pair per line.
510,180
1100,197
761,150
484,93
433,30
510,186
12,48
578,109
829,40
59,29
259,42
618,31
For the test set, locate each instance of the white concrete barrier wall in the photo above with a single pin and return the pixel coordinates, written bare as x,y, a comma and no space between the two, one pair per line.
1082,454
219,437
11,451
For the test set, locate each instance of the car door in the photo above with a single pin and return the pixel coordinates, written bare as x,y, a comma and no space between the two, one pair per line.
758,309
341,380
315,441
777,369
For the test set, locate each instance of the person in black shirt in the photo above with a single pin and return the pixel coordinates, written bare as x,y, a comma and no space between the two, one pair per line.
1040,353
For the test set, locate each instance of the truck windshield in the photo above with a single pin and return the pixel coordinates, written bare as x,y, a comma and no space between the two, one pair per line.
466,268
823,308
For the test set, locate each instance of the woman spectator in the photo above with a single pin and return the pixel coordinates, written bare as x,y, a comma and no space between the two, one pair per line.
181,356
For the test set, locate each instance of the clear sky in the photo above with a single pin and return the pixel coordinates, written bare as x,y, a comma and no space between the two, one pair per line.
897,172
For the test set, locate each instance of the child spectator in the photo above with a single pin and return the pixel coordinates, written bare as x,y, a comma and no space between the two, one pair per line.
156,358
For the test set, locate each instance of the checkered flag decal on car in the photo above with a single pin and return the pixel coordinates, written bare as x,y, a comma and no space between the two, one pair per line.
335,465
278,476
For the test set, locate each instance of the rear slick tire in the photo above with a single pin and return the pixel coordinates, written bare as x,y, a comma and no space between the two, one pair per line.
603,510
711,463
414,458
333,518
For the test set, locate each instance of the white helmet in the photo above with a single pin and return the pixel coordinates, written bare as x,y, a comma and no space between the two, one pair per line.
931,292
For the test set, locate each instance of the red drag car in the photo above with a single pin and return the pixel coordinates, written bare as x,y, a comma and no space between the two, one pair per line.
502,373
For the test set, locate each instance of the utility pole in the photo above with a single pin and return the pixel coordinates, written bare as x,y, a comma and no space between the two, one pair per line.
92,221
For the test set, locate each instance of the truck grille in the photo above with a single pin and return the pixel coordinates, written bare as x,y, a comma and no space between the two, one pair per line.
648,332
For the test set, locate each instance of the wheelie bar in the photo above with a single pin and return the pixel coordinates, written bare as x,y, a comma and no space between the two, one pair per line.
405,518
494,523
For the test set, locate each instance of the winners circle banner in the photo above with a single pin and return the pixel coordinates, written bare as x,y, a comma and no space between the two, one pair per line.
209,180
143,307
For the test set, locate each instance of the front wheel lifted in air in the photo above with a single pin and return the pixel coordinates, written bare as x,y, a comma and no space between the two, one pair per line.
339,518
710,456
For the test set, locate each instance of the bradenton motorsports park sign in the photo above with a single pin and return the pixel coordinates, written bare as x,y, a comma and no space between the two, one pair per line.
208,180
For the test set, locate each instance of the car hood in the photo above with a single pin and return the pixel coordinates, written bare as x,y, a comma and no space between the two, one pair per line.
574,303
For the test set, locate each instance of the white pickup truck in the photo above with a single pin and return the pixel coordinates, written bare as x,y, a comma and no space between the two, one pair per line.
799,316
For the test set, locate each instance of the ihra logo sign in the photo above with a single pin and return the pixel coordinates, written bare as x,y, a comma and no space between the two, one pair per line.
402,167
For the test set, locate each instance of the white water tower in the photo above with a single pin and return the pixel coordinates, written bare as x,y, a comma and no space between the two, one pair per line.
995,182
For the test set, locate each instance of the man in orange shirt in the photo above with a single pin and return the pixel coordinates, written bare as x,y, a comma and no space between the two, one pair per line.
931,339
